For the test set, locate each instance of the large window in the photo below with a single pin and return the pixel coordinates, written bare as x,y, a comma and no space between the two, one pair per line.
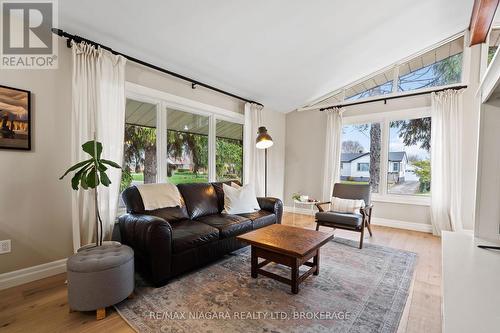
398,145
187,147
139,162
360,157
171,139
229,151
380,84
409,160
439,67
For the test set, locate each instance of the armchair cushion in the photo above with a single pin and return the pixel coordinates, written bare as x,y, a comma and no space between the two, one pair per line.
343,219
350,206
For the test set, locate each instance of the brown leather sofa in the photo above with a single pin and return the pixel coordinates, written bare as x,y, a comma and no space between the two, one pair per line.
171,241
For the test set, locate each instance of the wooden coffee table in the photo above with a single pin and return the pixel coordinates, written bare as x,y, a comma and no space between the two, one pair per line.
286,245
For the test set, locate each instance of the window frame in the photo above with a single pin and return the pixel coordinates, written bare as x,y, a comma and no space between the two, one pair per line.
385,118
320,102
164,100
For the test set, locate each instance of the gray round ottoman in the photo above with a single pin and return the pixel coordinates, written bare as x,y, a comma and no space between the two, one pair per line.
99,277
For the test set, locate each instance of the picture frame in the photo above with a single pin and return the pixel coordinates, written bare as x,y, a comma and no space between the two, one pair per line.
15,118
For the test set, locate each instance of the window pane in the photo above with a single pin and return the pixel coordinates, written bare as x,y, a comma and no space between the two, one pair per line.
360,158
229,151
380,84
439,67
139,162
493,44
409,165
187,147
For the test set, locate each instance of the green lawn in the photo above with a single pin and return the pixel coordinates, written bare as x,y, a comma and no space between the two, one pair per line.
353,182
188,177
177,178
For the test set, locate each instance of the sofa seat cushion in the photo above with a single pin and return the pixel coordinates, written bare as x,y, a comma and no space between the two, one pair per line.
260,218
189,234
228,225
343,219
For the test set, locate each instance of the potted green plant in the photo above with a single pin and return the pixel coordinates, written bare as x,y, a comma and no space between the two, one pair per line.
89,174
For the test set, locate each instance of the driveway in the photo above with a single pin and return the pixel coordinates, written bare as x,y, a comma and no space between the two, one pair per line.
410,187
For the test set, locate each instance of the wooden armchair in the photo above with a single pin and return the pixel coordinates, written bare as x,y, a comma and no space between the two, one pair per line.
347,221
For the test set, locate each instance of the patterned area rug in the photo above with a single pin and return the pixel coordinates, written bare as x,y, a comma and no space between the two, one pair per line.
355,291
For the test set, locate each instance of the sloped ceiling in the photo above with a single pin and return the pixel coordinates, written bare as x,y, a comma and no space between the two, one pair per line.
282,53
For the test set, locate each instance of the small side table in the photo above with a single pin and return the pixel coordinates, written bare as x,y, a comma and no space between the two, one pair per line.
310,204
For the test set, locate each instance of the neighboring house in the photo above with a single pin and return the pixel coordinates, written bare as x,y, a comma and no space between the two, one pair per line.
397,167
356,166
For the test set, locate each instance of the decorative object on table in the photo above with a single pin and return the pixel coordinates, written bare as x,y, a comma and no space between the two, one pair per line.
99,277
341,288
296,196
264,141
89,174
304,200
355,221
15,118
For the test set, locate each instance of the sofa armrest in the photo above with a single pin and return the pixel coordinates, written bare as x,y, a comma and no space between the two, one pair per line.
151,238
273,205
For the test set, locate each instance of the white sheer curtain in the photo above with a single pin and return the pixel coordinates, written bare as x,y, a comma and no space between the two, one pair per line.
446,157
98,106
332,151
253,157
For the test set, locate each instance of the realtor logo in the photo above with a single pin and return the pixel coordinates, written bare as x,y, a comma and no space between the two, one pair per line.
27,41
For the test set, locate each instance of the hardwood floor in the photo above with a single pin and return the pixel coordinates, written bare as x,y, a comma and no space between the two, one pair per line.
41,306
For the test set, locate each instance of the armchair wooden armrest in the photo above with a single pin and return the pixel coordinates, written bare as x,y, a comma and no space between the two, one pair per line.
319,204
366,209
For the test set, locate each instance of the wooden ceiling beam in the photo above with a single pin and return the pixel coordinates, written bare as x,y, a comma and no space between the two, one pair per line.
483,13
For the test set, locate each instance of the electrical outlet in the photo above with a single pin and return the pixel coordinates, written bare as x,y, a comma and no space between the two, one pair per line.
5,246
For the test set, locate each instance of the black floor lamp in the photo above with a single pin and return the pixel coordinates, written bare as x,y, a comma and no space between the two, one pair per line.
264,141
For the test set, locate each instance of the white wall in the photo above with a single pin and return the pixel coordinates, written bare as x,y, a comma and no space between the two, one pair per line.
35,206
276,126
488,208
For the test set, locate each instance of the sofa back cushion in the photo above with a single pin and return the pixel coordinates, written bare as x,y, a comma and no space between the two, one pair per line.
200,199
133,200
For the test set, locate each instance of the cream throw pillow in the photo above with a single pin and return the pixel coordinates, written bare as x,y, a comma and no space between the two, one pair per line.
239,200
340,205
160,195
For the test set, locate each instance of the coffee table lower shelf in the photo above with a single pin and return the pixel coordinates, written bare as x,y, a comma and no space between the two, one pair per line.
293,262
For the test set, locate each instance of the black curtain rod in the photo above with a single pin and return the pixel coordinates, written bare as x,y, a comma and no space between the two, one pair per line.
194,83
385,99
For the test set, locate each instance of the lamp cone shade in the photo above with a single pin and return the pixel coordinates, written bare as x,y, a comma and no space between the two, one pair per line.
263,140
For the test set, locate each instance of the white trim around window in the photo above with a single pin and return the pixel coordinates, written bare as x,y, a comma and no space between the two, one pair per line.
164,100
384,118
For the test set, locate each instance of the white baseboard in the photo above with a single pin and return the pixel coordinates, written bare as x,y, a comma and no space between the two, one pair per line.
422,227
25,275
376,221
